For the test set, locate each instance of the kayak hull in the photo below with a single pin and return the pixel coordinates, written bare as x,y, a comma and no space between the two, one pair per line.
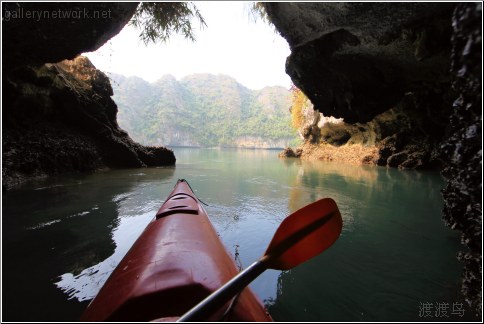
176,262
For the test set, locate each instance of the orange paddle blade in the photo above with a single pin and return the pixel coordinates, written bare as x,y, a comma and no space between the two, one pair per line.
304,234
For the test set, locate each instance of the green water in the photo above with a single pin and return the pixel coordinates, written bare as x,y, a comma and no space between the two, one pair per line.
62,237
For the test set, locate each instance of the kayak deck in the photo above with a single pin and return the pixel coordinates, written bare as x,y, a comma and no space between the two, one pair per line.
176,262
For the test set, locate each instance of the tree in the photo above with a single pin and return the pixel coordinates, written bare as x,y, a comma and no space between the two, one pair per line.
159,20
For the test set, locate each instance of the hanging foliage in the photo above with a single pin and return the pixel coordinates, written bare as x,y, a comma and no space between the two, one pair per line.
157,21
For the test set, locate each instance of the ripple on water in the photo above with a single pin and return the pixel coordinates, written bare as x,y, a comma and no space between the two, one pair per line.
384,264
45,224
87,284
49,223
49,187
121,197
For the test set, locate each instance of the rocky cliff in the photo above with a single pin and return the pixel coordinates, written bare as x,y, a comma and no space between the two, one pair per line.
60,118
58,115
385,68
408,136
356,60
170,112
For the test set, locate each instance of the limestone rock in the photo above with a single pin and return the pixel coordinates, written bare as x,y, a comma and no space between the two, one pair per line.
290,153
355,60
463,147
38,33
61,118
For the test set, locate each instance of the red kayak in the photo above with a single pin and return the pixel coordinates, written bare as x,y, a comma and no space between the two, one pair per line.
176,262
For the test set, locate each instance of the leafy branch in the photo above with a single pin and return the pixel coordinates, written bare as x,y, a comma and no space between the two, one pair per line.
257,10
159,20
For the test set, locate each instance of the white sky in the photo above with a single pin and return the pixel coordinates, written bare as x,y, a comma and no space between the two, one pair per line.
232,44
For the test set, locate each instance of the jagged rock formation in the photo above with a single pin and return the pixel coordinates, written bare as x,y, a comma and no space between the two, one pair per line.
407,136
463,193
365,62
382,67
60,117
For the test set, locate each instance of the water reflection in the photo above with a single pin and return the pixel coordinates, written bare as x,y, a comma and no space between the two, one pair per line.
62,229
394,252
135,210
389,257
132,219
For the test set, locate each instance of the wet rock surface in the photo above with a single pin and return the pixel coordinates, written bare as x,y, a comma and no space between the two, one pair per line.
463,147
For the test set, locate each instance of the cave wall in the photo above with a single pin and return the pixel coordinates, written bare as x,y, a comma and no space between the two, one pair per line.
38,33
382,67
463,147
57,114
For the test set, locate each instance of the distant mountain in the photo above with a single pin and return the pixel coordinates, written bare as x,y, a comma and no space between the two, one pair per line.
202,110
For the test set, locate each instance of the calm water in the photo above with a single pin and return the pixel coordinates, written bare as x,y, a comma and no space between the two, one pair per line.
62,237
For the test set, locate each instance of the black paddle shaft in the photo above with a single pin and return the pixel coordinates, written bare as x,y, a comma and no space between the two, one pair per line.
218,298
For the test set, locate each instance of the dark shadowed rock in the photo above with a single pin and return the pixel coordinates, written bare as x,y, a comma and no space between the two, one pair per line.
61,118
383,67
37,33
355,60
463,148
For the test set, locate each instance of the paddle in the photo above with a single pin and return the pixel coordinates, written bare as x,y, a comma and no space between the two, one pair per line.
301,236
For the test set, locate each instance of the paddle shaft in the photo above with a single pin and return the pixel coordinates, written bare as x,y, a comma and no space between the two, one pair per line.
218,298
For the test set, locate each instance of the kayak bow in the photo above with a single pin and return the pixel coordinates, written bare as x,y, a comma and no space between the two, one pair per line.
176,262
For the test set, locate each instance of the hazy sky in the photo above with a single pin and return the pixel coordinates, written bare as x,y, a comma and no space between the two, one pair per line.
232,44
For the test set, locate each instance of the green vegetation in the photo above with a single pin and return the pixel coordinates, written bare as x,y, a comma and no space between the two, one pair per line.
157,21
299,101
202,110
